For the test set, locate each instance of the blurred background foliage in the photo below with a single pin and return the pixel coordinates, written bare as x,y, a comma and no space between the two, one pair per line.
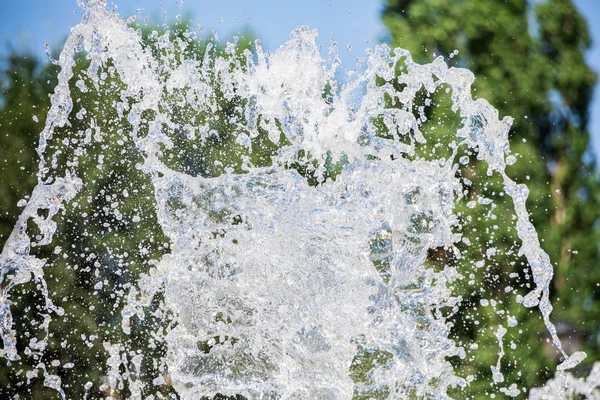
534,72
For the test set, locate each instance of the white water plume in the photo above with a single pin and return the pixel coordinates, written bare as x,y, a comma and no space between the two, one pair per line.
301,274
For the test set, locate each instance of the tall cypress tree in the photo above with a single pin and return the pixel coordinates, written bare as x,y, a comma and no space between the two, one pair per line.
528,61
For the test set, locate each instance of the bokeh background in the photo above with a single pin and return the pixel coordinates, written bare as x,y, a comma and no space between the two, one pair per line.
534,60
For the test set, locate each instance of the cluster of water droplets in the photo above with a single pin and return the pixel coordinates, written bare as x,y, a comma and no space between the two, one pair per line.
297,274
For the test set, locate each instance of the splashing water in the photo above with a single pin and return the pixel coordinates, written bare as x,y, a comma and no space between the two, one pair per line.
298,272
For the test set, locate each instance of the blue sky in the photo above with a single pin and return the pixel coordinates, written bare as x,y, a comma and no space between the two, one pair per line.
590,9
32,23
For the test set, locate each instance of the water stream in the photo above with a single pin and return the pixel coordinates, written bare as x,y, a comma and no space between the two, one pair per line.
299,223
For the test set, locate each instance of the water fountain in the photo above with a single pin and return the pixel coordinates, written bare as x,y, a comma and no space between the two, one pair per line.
291,251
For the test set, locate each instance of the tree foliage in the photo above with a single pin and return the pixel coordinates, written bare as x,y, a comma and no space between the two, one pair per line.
110,235
528,60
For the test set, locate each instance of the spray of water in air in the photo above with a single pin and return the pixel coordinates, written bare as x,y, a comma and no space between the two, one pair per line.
287,252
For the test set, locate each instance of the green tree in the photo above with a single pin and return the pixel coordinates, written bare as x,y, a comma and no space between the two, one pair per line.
529,63
24,103
109,234
23,106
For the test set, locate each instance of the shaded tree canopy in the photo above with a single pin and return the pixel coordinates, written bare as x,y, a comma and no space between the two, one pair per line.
528,61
